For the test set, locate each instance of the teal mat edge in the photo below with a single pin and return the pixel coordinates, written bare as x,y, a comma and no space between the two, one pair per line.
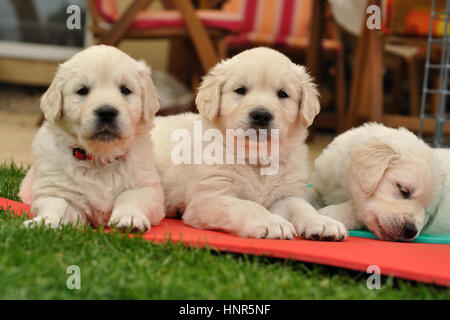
423,238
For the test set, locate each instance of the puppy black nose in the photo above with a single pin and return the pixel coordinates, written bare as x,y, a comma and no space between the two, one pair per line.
261,117
410,230
106,113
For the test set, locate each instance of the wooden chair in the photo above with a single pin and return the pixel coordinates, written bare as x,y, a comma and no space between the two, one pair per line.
296,28
205,28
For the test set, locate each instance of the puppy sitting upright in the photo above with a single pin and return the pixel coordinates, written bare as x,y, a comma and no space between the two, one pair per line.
259,89
92,160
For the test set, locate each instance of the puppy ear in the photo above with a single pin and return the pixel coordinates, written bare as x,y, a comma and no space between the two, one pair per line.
369,162
209,93
309,100
150,103
52,100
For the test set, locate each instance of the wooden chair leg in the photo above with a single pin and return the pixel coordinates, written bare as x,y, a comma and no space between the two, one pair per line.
119,29
375,100
340,92
395,65
314,51
397,90
356,84
221,45
197,32
182,66
366,97
414,84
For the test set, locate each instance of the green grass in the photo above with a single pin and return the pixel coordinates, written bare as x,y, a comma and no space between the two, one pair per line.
33,264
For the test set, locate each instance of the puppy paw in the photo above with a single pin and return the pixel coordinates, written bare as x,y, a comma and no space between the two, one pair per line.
126,218
322,228
48,222
272,227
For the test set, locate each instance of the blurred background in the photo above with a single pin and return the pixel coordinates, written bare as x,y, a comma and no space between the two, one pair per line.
392,70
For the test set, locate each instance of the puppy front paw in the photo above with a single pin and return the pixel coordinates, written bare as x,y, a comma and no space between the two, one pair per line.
271,227
49,222
321,228
127,217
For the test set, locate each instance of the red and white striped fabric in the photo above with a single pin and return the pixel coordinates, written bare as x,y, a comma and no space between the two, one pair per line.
257,22
275,22
225,20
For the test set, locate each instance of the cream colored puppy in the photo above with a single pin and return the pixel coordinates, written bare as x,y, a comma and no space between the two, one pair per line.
386,180
93,158
257,89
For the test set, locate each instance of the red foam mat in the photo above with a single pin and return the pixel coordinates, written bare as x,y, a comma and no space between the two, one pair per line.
414,261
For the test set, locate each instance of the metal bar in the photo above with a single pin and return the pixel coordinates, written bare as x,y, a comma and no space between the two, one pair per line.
426,73
443,80
437,91
432,117
438,66
438,41
435,13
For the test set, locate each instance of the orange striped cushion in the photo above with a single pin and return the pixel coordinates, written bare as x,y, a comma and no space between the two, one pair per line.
275,22
262,22
229,20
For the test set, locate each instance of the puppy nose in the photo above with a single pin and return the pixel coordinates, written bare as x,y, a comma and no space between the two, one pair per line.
410,230
261,117
106,113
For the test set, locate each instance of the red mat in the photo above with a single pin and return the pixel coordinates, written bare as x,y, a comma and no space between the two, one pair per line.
414,261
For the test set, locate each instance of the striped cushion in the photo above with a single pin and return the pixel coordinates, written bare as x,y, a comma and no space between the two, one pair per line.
275,22
230,20
260,22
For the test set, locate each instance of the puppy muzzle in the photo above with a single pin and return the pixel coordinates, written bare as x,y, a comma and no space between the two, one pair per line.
106,124
260,118
396,232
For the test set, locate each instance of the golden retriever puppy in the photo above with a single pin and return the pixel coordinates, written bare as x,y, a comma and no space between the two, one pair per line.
93,158
215,186
384,179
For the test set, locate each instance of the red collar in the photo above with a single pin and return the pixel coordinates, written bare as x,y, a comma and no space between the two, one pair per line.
81,154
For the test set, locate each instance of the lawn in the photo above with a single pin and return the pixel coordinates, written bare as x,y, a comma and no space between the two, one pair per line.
33,265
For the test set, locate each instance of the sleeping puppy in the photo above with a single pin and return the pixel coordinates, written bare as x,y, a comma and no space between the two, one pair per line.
386,180
259,89
93,158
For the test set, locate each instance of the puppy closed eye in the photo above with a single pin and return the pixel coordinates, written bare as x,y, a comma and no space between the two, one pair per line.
405,192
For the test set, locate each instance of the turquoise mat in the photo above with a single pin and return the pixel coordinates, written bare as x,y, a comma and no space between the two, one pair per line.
443,238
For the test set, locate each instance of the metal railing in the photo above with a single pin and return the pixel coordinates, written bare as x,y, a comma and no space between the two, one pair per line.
442,91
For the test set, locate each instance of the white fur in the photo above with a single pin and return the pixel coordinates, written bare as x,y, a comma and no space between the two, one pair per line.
237,198
359,175
120,186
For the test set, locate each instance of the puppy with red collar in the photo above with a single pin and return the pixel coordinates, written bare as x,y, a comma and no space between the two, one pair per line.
93,158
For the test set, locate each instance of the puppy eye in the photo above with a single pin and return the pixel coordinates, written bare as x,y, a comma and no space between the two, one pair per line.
241,90
124,90
282,94
406,194
83,91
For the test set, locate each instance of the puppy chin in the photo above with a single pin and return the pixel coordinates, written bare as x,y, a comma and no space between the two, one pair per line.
106,142
375,226
387,233
105,135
